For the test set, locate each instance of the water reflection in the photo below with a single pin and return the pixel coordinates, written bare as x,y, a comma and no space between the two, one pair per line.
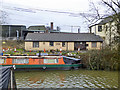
67,79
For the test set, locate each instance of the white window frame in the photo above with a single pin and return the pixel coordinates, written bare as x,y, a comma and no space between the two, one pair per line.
20,61
46,61
94,44
35,46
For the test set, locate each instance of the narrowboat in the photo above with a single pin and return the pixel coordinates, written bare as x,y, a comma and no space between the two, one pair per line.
41,63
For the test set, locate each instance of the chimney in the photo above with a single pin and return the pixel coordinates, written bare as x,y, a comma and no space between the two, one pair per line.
78,30
51,25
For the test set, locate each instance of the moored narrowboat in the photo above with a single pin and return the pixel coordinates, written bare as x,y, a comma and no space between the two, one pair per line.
41,63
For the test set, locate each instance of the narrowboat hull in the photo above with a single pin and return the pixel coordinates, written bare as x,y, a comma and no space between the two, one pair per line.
46,67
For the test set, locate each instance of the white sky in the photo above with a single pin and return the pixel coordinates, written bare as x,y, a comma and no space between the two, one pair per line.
75,5
42,17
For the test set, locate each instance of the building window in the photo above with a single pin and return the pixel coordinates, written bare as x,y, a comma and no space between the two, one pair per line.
106,28
35,44
57,43
63,44
44,43
94,44
103,38
99,28
51,43
86,45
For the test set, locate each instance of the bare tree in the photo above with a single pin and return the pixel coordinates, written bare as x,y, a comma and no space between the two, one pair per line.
114,6
111,9
3,20
3,17
94,14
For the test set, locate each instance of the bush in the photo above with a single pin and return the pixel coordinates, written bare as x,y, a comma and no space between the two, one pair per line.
104,59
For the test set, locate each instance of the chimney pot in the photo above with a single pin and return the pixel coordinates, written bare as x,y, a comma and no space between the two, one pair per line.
51,25
78,30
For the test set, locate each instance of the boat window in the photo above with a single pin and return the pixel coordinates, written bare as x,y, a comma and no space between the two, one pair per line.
2,61
50,60
20,61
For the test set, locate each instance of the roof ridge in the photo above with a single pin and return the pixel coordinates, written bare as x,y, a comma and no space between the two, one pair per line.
61,33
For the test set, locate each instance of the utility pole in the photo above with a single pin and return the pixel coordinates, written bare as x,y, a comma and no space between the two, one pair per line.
17,34
75,26
1,40
71,28
21,32
9,30
79,30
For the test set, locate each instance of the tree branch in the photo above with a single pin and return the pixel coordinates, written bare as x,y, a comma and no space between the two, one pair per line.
109,6
117,4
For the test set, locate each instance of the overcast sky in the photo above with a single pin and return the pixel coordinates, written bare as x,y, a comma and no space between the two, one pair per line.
64,13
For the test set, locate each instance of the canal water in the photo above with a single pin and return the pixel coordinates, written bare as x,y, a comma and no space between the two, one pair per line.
67,79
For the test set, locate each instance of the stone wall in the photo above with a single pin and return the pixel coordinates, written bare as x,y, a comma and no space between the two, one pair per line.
46,46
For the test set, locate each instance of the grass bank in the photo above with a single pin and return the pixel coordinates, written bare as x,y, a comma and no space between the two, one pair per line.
12,44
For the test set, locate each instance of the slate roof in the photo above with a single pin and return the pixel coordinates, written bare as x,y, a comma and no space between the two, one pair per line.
102,21
106,20
62,37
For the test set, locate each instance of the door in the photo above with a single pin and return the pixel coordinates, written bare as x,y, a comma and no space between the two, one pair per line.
80,46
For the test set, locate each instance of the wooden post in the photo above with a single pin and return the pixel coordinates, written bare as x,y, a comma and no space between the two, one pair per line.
11,79
9,30
39,53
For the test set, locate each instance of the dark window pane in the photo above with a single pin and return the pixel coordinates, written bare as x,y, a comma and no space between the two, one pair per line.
57,43
51,43
94,44
63,44
43,42
99,28
106,28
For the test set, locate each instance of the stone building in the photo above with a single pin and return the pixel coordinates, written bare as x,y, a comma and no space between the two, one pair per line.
64,41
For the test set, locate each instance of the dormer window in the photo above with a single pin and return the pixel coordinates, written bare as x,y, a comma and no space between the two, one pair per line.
99,28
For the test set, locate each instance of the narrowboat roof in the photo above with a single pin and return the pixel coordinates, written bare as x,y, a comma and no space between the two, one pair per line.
71,58
40,57
30,56
19,56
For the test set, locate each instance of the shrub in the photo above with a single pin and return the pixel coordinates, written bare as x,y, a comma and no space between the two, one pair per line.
105,59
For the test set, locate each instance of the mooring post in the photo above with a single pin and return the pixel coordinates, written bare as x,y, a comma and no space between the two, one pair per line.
11,79
39,53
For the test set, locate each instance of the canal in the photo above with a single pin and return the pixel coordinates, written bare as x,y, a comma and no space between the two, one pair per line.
67,79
